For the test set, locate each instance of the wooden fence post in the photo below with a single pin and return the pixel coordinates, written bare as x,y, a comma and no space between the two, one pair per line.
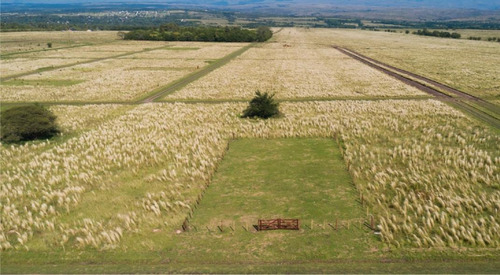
220,227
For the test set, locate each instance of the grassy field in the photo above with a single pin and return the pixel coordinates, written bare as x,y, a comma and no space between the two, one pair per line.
14,43
469,66
259,178
313,69
466,33
104,71
294,69
142,201
110,194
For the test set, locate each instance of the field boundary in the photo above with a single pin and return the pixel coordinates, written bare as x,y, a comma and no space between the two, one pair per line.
52,68
480,109
292,100
208,101
181,83
8,55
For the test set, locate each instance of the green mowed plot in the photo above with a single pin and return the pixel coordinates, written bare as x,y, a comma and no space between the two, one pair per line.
303,179
41,82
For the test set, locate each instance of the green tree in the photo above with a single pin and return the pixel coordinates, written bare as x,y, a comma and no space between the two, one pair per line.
170,27
26,123
262,105
264,33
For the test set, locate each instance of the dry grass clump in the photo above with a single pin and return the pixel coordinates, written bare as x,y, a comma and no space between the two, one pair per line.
428,174
72,118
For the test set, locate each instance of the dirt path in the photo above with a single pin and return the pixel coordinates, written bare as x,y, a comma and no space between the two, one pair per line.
474,106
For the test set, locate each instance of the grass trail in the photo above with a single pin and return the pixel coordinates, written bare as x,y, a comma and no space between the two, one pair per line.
179,84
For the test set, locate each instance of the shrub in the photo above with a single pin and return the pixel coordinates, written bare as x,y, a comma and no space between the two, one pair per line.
26,123
262,105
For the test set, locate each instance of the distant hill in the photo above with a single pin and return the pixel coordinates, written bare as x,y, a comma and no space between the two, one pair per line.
441,4
412,10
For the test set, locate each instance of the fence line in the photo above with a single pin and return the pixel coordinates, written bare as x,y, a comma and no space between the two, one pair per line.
334,225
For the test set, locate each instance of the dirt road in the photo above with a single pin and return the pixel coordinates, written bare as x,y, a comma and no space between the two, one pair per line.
474,106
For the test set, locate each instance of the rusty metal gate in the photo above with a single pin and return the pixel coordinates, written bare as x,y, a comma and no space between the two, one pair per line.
275,224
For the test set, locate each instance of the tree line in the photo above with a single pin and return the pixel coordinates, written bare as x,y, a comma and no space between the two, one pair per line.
343,23
174,32
466,24
426,32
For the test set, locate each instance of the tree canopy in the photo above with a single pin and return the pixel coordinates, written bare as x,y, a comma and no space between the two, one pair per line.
26,123
173,32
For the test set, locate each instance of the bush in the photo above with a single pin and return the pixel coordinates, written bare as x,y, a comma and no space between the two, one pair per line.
262,105
26,123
